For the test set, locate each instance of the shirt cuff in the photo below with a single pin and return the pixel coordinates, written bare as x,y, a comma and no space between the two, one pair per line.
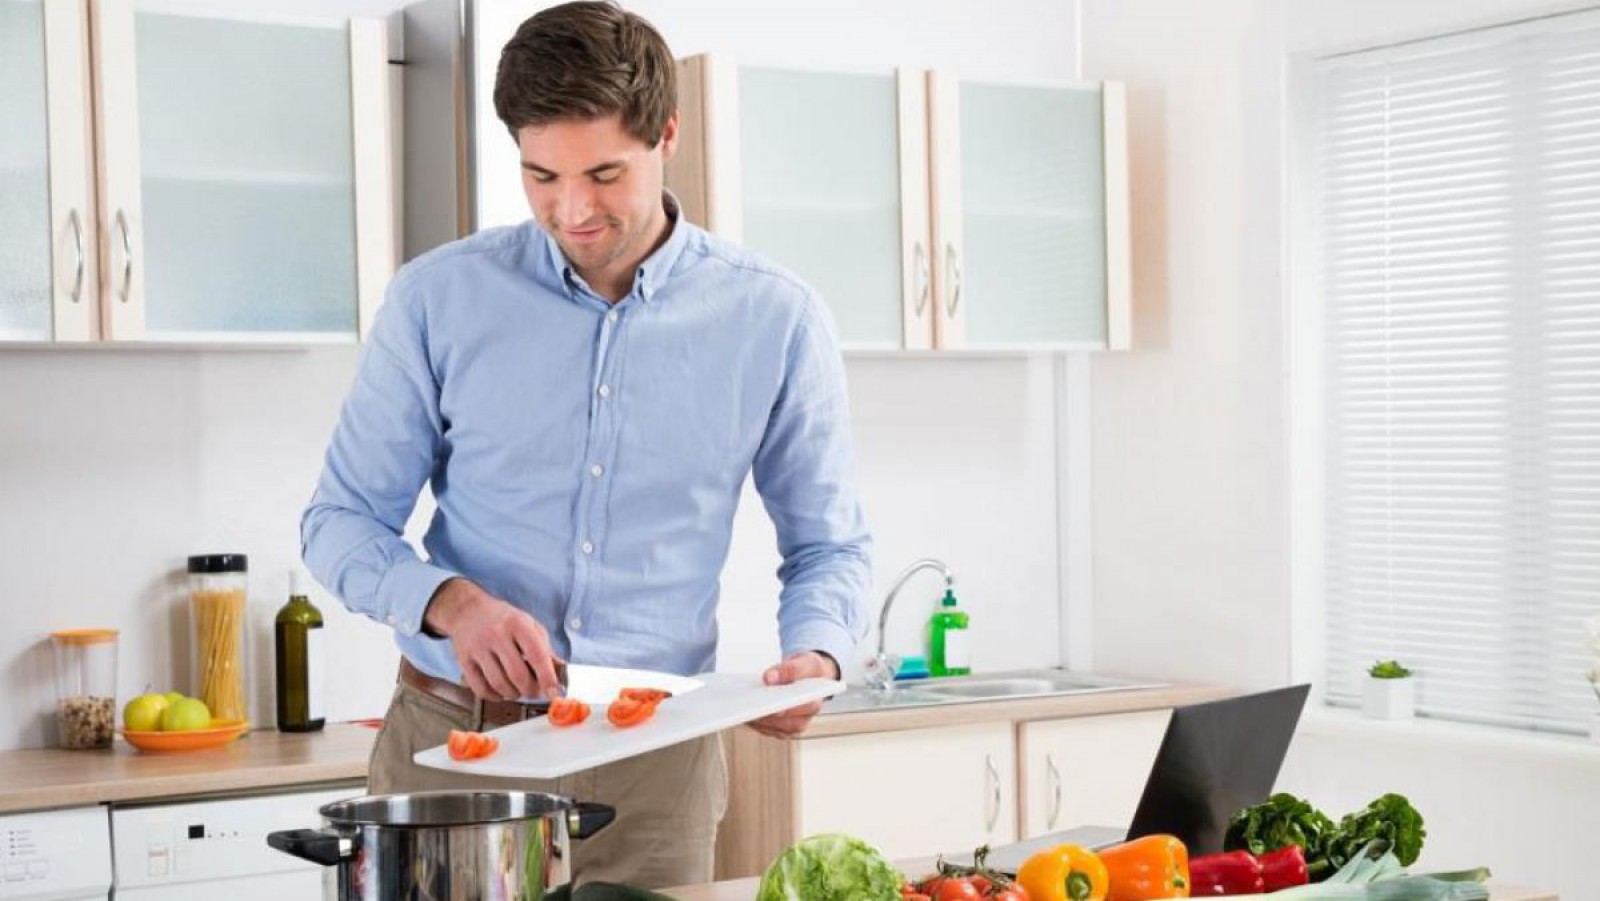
405,591
823,635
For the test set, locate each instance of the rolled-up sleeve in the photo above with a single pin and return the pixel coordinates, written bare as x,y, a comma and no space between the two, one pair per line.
804,471
384,449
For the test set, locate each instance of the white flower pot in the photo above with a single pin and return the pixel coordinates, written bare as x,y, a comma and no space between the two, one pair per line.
1389,699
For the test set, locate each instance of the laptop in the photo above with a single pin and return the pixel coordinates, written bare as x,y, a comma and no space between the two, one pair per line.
1215,758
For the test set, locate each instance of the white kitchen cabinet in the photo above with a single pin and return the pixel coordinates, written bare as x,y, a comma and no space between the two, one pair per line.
912,793
1086,771
927,211
48,272
823,172
1030,230
226,180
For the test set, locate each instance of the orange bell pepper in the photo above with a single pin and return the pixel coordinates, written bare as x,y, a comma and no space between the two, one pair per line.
1156,866
1064,873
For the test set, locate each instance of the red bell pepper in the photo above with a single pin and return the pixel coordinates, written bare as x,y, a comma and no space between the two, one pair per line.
1284,868
1233,873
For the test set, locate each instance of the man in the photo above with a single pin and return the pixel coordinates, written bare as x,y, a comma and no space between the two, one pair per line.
586,393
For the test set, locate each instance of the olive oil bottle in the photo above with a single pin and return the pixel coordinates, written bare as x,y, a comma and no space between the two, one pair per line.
300,661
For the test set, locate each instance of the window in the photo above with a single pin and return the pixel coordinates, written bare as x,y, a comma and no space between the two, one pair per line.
1458,223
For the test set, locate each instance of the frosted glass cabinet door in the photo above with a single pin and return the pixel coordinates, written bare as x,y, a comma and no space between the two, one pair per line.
25,281
246,179
1033,265
820,154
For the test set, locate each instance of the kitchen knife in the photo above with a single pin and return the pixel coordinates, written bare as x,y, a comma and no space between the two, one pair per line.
599,685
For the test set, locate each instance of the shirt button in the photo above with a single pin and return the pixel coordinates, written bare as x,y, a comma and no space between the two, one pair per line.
577,623
605,391
588,547
611,316
597,470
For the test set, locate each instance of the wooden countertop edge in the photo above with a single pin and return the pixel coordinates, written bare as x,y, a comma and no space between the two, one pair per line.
44,779
1020,710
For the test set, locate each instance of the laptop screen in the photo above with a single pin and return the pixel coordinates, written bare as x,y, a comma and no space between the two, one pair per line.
1216,758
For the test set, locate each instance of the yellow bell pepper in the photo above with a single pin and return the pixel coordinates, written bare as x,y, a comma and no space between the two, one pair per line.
1155,866
1064,873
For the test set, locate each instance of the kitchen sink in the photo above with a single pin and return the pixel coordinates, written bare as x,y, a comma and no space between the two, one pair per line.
987,687
1049,682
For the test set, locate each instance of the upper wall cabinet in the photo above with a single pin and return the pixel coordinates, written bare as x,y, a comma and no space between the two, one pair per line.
240,168
48,269
928,211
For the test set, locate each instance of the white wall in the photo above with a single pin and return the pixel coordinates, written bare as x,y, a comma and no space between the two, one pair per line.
116,464
1191,431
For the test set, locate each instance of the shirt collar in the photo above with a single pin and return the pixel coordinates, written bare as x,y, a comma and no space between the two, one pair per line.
651,274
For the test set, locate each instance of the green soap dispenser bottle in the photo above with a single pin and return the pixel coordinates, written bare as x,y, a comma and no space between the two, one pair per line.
948,651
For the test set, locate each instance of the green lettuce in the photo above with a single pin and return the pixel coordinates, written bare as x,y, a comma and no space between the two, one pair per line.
830,868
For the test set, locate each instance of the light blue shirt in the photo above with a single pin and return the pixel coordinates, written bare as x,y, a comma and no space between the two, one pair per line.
587,457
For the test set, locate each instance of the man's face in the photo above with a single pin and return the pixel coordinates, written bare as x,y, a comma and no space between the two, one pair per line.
596,189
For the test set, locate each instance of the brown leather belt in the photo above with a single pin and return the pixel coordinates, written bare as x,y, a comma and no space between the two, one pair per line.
484,714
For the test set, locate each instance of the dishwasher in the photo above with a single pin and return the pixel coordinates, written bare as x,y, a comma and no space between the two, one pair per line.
55,855
209,849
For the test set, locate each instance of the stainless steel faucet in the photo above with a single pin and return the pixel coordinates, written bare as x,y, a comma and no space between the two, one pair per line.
881,668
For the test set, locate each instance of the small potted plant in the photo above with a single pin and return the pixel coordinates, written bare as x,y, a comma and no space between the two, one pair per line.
1388,693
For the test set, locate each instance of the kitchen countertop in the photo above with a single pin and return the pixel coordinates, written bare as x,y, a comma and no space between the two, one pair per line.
745,889
860,717
262,759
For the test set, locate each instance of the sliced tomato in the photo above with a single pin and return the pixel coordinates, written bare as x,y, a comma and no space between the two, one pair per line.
470,745
648,695
567,712
625,712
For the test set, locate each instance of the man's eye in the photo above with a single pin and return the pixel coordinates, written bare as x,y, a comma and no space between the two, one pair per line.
607,178
541,179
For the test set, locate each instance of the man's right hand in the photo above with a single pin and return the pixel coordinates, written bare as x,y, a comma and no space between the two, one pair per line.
504,653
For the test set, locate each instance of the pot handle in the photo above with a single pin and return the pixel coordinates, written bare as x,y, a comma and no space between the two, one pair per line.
314,845
586,818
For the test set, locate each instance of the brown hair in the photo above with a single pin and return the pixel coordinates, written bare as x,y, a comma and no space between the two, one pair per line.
587,60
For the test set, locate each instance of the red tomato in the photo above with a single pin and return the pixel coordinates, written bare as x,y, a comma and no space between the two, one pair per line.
956,889
1012,892
982,884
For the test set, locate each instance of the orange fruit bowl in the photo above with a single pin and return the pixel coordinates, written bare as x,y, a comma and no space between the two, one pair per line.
220,734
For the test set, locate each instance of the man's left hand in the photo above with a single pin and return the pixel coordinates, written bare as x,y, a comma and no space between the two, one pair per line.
804,665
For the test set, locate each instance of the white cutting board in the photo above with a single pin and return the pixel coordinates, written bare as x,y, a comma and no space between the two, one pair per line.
534,749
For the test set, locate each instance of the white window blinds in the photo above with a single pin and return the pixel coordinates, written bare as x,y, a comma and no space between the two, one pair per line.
1460,263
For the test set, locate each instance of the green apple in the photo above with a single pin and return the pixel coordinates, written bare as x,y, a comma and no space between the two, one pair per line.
185,715
173,696
143,714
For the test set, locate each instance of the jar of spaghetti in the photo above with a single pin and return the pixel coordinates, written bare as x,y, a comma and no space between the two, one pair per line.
218,590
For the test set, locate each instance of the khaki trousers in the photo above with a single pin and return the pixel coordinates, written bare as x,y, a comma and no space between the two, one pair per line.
668,801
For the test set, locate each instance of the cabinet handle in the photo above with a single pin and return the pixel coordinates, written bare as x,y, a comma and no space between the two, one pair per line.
994,789
924,278
1055,789
127,258
77,242
953,266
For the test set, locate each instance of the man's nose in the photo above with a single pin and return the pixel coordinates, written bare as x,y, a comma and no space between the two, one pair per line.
574,203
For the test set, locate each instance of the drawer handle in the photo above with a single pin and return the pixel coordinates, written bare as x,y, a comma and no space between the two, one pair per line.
77,243
1055,789
127,257
994,789
953,266
924,281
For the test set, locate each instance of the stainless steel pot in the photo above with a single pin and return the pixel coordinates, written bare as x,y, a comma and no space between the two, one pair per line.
447,845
